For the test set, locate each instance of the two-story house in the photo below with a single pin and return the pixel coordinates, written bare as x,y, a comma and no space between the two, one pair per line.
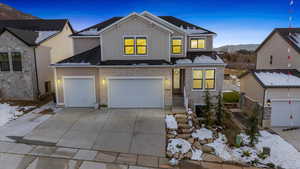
27,48
140,60
275,84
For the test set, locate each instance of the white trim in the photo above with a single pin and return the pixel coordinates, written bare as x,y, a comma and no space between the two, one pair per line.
162,78
78,77
204,78
284,100
135,37
56,88
101,48
128,16
159,19
78,37
196,35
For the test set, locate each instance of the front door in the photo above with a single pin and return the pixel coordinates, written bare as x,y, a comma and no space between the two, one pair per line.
177,81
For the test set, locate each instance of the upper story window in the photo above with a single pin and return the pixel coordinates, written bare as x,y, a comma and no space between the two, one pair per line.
204,79
271,60
4,62
135,45
176,46
197,43
16,61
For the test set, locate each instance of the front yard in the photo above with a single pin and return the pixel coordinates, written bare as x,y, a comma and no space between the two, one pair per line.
192,139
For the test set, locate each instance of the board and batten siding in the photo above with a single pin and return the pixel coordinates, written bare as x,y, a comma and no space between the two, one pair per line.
157,40
277,47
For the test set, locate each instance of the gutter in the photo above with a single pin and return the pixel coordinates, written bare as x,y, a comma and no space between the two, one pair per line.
36,72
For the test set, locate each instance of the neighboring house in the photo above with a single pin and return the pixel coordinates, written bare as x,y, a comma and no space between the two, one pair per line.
27,48
140,60
275,84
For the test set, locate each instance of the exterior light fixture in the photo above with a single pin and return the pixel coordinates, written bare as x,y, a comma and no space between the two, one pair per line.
58,81
103,81
269,102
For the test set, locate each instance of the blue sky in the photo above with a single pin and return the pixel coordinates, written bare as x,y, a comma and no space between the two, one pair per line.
235,21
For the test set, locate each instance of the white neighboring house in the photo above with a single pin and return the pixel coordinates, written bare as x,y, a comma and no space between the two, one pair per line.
275,84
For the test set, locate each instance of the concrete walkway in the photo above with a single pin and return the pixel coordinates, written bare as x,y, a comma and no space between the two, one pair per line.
138,131
292,136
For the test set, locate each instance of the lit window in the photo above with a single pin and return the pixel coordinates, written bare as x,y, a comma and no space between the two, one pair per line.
210,79
141,46
206,77
16,61
176,46
129,46
4,62
197,43
135,46
197,79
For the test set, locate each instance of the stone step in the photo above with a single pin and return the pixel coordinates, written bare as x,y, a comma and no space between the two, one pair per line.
181,116
181,120
183,126
183,136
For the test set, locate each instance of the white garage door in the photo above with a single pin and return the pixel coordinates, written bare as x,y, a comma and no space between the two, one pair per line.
285,114
79,92
130,93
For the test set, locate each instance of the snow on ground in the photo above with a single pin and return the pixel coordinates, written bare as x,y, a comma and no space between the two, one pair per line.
171,122
178,145
93,31
221,149
8,112
278,79
44,35
202,134
194,31
196,155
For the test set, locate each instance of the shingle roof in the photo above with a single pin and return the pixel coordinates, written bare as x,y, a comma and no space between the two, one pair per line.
173,20
285,34
272,82
27,30
35,24
27,37
93,57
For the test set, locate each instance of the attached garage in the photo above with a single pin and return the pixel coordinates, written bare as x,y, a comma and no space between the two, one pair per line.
285,114
135,92
79,91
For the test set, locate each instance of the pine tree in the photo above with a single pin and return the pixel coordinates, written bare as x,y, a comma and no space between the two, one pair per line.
252,129
207,110
220,110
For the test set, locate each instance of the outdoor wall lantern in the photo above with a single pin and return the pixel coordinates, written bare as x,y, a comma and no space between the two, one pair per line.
103,81
269,102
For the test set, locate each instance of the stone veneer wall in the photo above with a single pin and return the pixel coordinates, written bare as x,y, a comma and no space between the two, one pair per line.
18,85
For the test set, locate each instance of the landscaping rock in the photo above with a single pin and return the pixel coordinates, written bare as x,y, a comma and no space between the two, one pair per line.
181,116
177,155
203,142
169,155
191,140
188,155
181,120
197,145
210,140
185,131
171,136
183,125
267,151
183,136
211,158
207,149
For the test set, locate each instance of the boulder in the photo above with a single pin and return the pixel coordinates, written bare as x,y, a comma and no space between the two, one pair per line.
197,145
177,155
207,149
210,140
181,120
211,158
171,136
191,140
183,136
203,142
183,125
169,154
181,116
188,155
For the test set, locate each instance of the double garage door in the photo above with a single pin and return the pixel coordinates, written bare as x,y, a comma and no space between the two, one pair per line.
121,92
285,114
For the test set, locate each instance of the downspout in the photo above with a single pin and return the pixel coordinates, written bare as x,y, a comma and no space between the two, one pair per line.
36,73
263,105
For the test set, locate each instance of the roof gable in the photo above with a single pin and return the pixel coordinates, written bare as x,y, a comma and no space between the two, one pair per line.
35,24
28,37
290,35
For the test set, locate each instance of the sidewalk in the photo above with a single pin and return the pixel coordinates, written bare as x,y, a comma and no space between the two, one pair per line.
23,156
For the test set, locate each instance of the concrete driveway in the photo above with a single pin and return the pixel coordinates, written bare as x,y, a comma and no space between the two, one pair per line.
292,136
138,131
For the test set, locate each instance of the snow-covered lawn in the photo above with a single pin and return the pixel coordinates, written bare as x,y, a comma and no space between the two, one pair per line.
8,112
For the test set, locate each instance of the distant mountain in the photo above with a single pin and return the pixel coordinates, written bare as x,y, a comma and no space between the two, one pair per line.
7,12
234,48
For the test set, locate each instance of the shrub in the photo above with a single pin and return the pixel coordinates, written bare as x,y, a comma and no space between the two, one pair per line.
208,110
231,97
220,110
252,129
246,154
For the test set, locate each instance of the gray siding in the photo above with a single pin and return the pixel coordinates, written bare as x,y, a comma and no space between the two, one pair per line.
84,44
158,40
277,47
208,43
18,85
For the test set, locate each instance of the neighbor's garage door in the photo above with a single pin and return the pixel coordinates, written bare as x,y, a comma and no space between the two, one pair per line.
79,92
130,93
285,114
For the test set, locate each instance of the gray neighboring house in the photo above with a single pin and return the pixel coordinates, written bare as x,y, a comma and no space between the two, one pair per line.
27,48
275,84
140,61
